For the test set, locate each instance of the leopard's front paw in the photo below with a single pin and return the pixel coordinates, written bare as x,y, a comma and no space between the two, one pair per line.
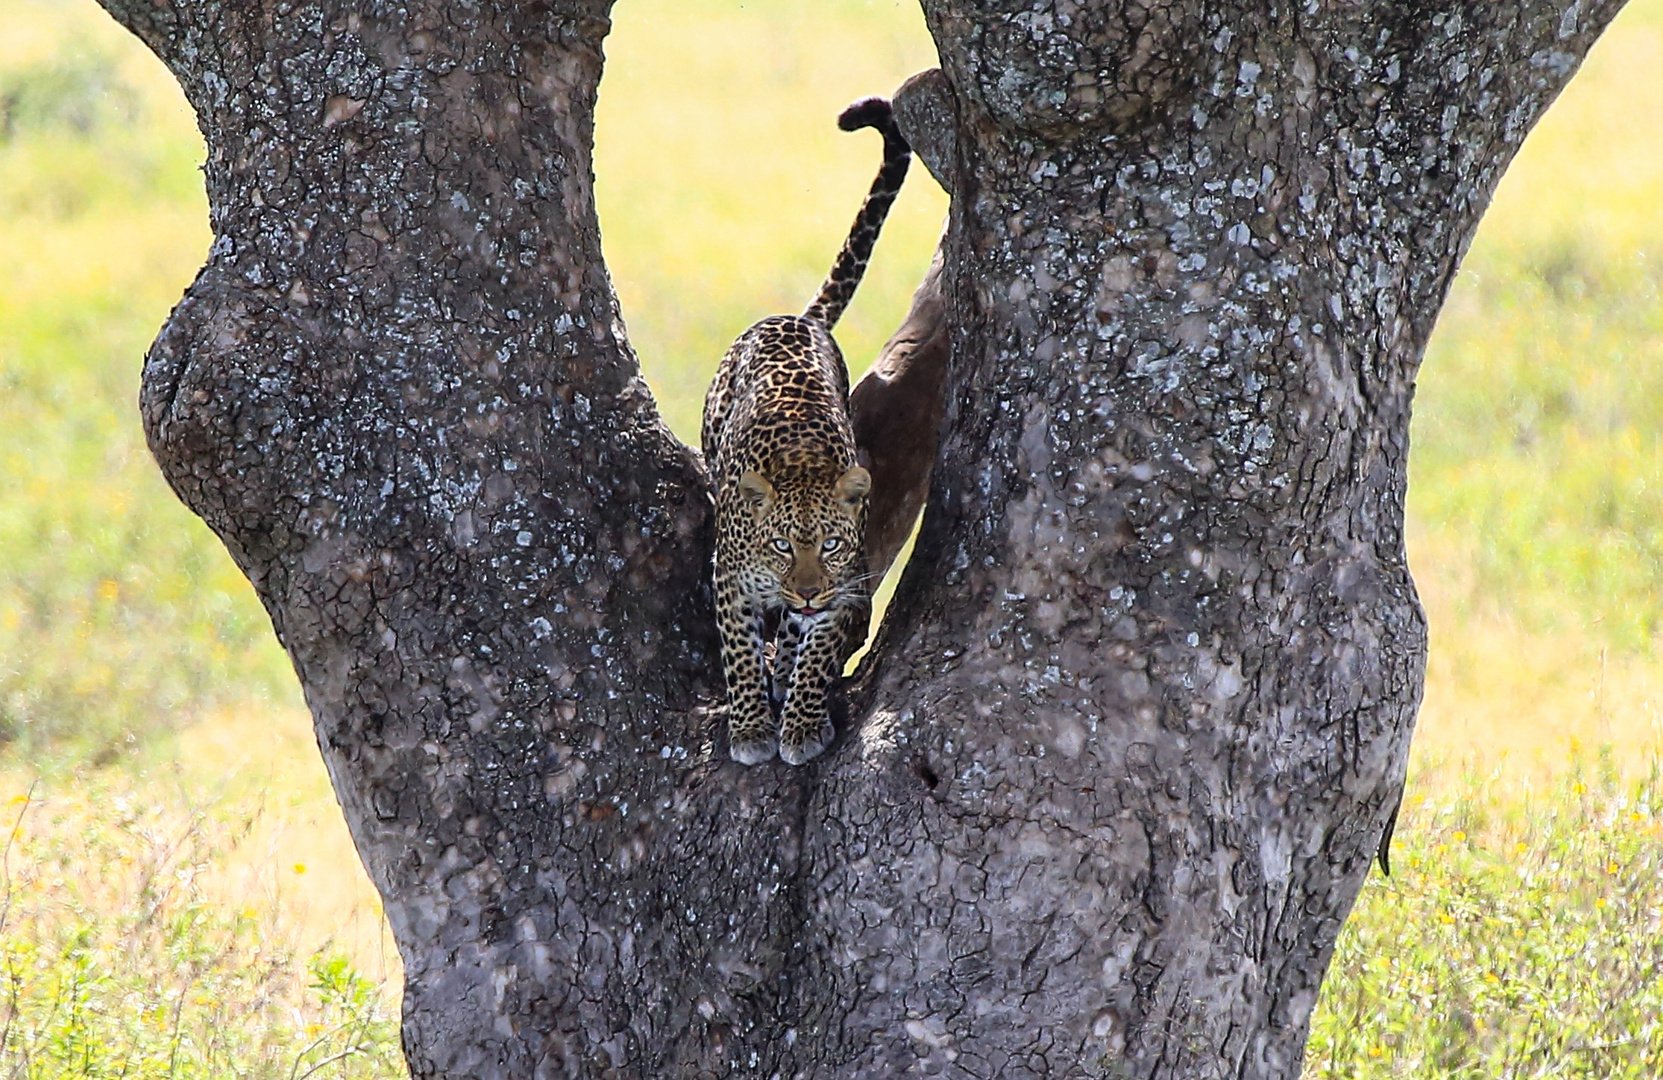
806,743
752,751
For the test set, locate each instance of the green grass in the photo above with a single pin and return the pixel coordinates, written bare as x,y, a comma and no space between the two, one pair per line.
1538,433
116,960
1539,441
1522,936
120,616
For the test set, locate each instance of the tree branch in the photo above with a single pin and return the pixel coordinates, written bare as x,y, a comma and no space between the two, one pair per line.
896,409
897,406
1466,54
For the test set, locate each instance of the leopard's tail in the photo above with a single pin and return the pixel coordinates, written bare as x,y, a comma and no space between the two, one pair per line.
846,272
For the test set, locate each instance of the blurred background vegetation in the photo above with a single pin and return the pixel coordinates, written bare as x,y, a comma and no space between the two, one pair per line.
178,896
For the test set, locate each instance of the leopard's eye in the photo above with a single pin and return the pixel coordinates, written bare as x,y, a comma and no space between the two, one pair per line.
831,544
781,545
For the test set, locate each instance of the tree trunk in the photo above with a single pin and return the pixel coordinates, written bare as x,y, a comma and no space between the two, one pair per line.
1115,770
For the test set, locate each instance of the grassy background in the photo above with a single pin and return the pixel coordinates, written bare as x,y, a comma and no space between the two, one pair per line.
178,895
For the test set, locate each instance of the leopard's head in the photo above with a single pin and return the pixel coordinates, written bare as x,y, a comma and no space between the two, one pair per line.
807,535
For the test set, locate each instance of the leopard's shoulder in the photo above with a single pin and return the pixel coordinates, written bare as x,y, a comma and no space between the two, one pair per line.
782,389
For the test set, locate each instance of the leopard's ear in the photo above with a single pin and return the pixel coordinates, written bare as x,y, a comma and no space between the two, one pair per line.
755,491
853,485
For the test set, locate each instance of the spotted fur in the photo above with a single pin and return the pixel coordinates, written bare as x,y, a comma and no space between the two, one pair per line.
791,499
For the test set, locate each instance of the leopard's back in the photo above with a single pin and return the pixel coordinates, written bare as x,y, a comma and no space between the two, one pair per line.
780,402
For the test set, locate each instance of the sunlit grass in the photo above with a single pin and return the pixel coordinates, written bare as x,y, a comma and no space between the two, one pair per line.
203,917
117,960
725,187
120,616
1522,936
1537,469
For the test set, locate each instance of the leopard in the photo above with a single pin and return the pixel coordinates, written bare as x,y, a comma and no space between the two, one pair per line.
790,575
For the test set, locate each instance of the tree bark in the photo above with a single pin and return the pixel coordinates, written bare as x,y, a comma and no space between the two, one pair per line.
1115,769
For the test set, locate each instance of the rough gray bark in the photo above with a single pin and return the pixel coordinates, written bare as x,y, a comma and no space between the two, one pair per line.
1120,758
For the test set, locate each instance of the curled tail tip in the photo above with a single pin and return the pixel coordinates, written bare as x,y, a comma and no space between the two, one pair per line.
873,112
876,112
867,112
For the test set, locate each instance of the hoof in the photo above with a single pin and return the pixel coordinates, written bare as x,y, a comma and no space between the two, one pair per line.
752,751
800,752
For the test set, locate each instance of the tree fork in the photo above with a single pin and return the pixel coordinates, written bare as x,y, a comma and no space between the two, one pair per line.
1132,729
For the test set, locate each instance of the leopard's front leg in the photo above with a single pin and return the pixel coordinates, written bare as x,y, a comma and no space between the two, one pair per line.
786,643
751,732
826,642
